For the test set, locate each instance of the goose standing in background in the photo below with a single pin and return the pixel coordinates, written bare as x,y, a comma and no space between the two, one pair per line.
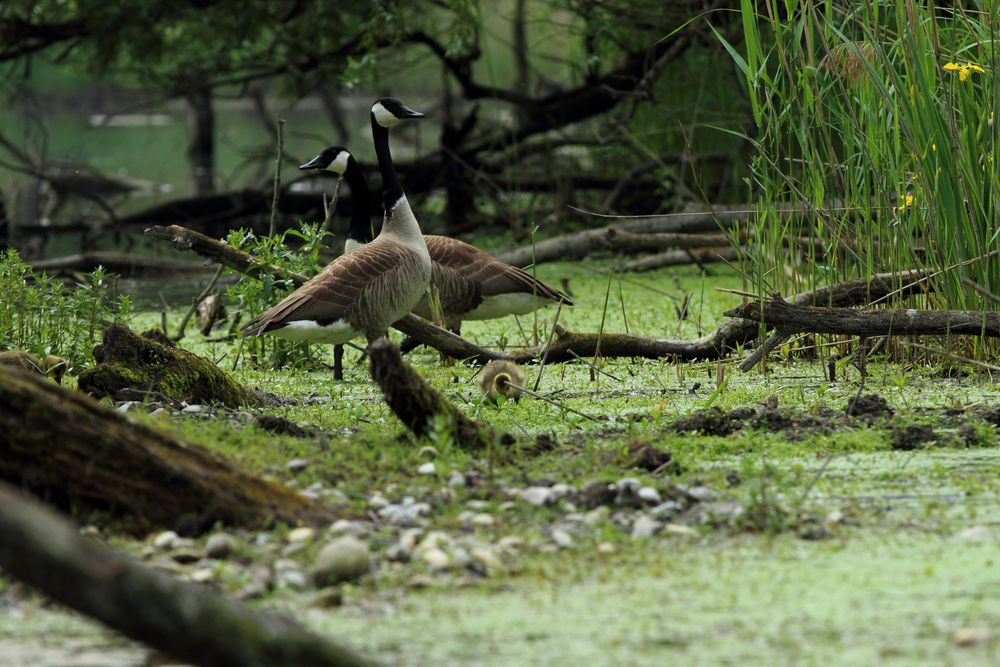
339,160
471,284
364,291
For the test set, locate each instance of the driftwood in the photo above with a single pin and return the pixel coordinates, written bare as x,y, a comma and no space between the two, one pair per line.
153,362
72,450
679,258
787,317
115,262
186,621
418,405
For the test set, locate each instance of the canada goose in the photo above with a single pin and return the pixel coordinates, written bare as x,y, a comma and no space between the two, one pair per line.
471,284
366,290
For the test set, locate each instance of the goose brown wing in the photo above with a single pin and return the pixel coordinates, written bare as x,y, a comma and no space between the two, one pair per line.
491,275
330,294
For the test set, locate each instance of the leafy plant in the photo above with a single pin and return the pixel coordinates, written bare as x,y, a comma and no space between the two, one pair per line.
254,296
44,315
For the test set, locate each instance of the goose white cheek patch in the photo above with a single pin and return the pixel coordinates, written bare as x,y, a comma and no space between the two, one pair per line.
339,164
383,116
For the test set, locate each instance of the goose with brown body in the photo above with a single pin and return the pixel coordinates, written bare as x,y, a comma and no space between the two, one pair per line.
364,291
470,283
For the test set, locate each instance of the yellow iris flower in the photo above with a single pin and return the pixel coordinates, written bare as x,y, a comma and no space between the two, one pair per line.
965,70
905,202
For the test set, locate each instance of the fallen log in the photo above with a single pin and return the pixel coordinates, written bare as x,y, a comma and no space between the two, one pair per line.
418,405
788,317
185,621
697,256
152,362
79,454
123,264
725,339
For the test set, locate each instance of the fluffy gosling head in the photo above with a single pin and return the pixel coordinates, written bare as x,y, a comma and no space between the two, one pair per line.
499,378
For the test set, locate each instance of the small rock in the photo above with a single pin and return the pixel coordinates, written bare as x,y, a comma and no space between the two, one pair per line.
165,540
971,636
457,480
186,555
377,502
561,538
293,548
129,406
360,529
404,515
482,520
700,494
158,411
435,558
221,546
975,534
193,409
202,575
649,495
509,544
596,516
329,598
836,516
427,469
486,557
669,508
302,535
292,579
596,493
398,553
644,526
605,548
91,531
538,496
344,559
261,580
297,465
679,529
419,581
477,505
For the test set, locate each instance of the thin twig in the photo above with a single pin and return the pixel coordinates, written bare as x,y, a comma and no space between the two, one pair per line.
551,401
952,355
548,343
277,176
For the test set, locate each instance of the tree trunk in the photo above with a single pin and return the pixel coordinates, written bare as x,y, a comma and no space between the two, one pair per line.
79,454
201,140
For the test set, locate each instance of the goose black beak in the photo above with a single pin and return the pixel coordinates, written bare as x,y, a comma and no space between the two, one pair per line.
315,163
407,112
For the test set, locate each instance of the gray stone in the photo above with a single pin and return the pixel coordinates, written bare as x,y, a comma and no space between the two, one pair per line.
303,535
435,558
649,495
644,526
666,509
193,409
221,546
165,540
185,555
377,501
537,495
700,494
360,529
427,469
596,516
129,406
398,553
456,480
297,465
561,538
343,559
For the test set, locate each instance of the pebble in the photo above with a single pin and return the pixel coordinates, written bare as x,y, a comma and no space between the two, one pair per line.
398,553
329,598
700,494
456,480
596,516
193,409
538,496
477,505
486,557
202,575
377,501
562,539
668,508
405,514
302,535
649,495
344,559
157,412
435,558
605,548
221,546
359,529
165,540
91,531
261,579
434,540
679,529
419,581
185,555
292,579
427,469
129,406
482,520
297,465
644,526
510,543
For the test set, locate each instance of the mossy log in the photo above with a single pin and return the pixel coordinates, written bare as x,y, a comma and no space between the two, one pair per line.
79,454
417,404
152,362
186,621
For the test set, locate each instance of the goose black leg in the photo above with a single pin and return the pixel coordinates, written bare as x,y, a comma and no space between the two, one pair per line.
338,362
409,344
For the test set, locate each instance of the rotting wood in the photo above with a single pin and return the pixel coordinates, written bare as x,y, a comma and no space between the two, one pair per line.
661,260
418,405
793,318
153,362
186,621
77,453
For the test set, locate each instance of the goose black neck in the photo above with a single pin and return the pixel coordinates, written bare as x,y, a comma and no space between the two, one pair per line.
392,192
360,230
